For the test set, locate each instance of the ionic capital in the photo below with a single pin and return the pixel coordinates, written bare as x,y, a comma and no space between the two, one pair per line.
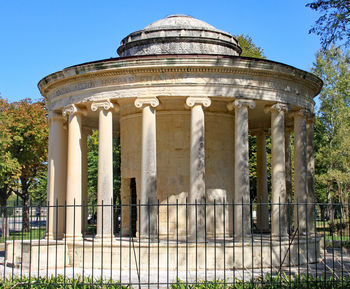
73,109
145,101
192,101
310,118
278,107
241,102
301,113
54,116
259,131
103,104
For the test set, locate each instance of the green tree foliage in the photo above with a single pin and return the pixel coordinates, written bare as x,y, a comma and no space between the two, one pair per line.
332,126
9,167
249,49
25,135
333,25
93,168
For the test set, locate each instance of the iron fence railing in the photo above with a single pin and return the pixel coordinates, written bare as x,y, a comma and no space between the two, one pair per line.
176,244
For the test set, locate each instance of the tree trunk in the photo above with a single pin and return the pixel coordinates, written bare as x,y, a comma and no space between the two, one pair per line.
330,210
5,232
25,213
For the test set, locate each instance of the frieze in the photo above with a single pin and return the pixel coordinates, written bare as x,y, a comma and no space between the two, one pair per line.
118,77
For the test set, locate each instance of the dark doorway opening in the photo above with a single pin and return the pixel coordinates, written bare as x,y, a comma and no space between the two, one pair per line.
133,212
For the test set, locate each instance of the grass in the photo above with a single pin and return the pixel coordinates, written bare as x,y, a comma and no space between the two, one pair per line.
283,281
34,234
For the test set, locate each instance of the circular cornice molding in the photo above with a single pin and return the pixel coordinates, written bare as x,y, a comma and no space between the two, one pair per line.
235,65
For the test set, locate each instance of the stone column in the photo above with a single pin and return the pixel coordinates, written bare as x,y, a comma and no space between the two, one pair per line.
310,173
74,173
105,169
300,169
262,193
148,196
57,175
278,164
242,216
84,136
289,181
197,167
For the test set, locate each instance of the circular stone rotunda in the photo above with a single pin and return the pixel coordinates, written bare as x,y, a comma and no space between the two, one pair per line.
183,102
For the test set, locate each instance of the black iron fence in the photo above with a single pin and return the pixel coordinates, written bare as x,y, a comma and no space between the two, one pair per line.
176,244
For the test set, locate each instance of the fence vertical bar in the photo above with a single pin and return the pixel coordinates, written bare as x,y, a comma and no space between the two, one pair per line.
167,241
186,229
149,241
158,243
120,242
224,238
112,236
214,242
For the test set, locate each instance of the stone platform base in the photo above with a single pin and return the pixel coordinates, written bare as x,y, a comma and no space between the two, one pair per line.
133,254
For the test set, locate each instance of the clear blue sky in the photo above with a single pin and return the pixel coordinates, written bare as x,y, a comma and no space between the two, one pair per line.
41,37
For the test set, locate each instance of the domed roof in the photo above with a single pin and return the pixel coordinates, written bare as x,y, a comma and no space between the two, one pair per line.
179,34
180,21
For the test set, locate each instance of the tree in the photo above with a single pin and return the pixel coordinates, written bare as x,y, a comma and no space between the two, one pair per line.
249,49
93,168
29,134
332,128
333,25
9,168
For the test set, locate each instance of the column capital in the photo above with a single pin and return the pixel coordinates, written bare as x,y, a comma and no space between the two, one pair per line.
303,112
310,118
240,102
103,104
277,107
73,109
141,101
259,131
192,101
54,116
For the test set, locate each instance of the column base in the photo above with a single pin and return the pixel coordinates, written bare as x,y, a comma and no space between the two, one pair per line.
104,237
77,237
54,236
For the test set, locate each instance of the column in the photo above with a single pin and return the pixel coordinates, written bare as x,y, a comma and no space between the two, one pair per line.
148,197
197,167
74,173
262,193
310,173
300,169
242,216
57,175
278,167
84,137
105,169
289,181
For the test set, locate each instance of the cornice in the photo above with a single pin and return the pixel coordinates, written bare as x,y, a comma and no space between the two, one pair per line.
227,66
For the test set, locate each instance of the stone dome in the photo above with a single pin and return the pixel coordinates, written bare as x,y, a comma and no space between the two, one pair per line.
179,34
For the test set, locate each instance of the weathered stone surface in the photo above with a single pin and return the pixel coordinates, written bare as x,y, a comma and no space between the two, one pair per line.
179,34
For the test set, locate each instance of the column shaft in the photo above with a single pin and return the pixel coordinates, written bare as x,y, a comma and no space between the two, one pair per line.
197,172
105,175
74,178
289,182
57,176
148,173
300,170
242,216
84,181
262,193
310,175
279,195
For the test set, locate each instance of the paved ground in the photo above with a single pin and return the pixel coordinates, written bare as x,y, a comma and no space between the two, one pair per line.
335,264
